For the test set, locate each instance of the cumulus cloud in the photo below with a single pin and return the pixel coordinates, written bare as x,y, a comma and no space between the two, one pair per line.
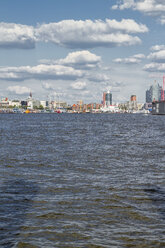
148,7
158,56
155,67
40,72
79,60
20,90
79,85
158,59
16,36
76,65
139,56
135,59
88,33
158,47
72,33
98,77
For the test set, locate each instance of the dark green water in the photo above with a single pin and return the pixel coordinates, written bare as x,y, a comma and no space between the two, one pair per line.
72,180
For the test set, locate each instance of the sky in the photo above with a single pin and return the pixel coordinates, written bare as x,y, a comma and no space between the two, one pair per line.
75,49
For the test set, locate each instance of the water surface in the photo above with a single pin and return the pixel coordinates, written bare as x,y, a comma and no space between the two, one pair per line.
82,180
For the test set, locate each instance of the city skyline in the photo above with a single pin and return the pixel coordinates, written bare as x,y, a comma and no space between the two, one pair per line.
78,49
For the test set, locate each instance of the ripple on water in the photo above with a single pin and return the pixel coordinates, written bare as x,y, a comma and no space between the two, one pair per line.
75,181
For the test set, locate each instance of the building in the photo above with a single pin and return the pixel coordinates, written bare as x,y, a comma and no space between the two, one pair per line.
24,104
148,106
57,105
32,103
154,93
132,103
149,95
133,98
107,99
158,108
4,103
44,104
15,103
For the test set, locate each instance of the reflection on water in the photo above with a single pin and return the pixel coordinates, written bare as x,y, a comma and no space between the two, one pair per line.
15,199
157,195
82,181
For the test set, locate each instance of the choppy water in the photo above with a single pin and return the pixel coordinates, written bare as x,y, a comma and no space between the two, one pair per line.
90,180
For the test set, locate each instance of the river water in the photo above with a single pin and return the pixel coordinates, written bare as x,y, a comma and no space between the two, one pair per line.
82,180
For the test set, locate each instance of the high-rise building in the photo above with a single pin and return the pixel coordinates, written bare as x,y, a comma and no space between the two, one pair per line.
107,98
149,96
154,93
133,98
132,104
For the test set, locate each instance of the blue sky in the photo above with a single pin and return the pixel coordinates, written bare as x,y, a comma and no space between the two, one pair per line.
76,49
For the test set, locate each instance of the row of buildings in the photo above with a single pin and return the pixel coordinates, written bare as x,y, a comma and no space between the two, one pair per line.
154,93
105,106
31,103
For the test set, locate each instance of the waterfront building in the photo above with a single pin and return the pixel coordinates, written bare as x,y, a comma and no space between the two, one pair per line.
58,104
24,104
154,93
4,102
15,103
148,106
107,99
132,104
32,103
149,95
44,104
133,98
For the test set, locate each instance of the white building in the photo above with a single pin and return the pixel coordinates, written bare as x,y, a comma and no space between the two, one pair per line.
15,103
44,104
32,103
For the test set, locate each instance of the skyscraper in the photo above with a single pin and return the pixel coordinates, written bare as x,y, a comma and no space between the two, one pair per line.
149,95
154,93
107,99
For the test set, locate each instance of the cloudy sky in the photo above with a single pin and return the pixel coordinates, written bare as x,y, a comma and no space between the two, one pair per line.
74,50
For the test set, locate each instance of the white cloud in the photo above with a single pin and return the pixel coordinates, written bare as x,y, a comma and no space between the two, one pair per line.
135,59
79,85
16,36
139,56
158,59
126,25
88,33
155,67
40,72
98,77
158,56
148,7
158,47
125,4
77,65
72,33
79,60
20,90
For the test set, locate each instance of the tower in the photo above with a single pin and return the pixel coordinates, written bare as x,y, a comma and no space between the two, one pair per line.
107,98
